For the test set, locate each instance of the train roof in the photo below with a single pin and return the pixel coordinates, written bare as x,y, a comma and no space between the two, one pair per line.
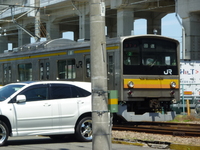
54,44
48,44
62,43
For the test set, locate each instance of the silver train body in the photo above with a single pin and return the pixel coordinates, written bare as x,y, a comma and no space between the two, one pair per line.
143,69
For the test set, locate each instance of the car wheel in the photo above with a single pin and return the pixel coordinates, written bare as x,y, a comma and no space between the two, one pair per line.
3,133
83,130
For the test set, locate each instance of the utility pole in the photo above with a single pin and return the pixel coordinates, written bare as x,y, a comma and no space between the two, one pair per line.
100,115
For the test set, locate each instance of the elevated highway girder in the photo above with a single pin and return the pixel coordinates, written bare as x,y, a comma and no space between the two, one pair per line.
59,16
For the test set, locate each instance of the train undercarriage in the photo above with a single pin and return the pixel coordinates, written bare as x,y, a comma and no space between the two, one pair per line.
147,110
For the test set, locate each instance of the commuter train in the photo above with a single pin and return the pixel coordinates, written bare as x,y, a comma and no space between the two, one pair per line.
143,69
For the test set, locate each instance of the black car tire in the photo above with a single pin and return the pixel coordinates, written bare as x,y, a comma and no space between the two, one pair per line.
3,133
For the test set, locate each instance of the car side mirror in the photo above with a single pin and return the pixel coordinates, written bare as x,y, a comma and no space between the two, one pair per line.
20,98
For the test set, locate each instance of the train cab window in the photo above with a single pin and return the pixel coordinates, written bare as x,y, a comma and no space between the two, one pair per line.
131,53
25,72
66,69
131,58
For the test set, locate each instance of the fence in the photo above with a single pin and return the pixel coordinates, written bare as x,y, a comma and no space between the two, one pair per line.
190,92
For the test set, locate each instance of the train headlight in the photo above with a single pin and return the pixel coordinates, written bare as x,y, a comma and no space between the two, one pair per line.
130,84
173,84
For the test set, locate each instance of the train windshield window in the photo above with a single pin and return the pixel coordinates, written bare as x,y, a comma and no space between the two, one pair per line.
25,72
66,69
158,53
131,53
149,56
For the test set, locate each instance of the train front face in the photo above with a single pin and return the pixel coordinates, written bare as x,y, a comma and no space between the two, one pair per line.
150,74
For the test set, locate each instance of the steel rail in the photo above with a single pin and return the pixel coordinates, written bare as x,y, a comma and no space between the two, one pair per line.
175,129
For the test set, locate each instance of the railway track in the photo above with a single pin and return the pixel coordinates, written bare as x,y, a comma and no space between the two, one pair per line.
175,129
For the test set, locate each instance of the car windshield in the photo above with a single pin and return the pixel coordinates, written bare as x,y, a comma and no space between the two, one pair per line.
8,90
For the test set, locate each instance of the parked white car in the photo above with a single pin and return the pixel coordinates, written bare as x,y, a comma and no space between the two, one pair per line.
52,108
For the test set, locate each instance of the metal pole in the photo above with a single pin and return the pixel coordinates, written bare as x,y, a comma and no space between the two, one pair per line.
183,100
100,115
188,107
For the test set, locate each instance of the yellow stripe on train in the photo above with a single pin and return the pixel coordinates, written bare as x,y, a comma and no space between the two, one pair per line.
34,56
88,50
151,83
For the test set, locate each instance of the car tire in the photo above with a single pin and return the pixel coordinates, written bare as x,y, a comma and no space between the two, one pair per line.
3,133
83,130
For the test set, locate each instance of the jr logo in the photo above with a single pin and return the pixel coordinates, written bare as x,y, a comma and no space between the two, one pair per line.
168,71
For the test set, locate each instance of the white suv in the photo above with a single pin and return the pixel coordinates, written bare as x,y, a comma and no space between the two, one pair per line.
53,108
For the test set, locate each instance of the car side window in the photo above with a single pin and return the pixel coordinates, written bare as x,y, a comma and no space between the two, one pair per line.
58,92
79,92
36,94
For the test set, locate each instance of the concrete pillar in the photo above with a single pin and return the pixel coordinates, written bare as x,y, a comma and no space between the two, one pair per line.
23,38
3,44
154,22
76,35
53,31
111,24
192,37
125,18
14,41
84,22
189,12
84,27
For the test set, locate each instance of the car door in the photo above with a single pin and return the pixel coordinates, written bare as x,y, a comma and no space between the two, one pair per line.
67,106
34,115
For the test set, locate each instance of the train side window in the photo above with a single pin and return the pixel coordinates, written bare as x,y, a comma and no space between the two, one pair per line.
41,71
25,72
44,69
71,69
66,69
88,68
110,64
7,73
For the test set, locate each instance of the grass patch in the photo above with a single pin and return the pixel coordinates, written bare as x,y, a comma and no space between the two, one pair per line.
185,118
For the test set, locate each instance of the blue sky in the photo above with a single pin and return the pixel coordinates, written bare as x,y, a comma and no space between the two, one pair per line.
170,27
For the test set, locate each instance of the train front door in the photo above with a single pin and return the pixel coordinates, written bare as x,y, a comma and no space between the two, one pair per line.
44,69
